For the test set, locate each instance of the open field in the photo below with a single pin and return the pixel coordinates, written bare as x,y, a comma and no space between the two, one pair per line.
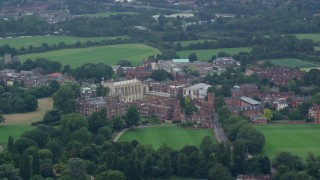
299,139
206,54
12,130
44,105
174,136
106,54
314,37
295,63
37,41
107,14
186,43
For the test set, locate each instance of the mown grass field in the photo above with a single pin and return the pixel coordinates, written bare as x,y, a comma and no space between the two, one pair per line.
107,14
299,139
106,54
37,41
174,136
44,105
295,63
206,54
314,37
12,130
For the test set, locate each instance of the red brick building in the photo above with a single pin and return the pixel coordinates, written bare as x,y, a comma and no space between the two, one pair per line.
280,76
314,112
161,105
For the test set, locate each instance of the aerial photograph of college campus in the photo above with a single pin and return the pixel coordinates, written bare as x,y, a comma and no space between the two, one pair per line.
159,89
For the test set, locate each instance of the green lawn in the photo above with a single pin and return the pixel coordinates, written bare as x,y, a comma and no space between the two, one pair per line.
37,41
174,136
293,63
299,139
314,37
12,130
107,54
107,14
206,54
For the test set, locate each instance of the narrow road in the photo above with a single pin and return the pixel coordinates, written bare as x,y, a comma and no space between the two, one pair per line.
218,130
115,139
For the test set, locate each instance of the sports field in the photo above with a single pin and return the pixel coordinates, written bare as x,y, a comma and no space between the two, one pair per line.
174,136
206,54
44,105
294,63
314,37
299,139
37,41
12,130
107,54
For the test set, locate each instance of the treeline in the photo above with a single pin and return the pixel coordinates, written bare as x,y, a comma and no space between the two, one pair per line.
80,147
62,45
16,99
26,25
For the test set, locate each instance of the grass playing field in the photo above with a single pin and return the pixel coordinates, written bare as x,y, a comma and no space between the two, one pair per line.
314,37
12,130
107,54
174,136
44,105
299,139
206,54
37,41
294,63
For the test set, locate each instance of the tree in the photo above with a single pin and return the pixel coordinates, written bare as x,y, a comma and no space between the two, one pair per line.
106,132
132,116
267,113
10,144
72,122
115,175
97,120
165,166
218,172
206,147
31,103
183,167
159,75
124,63
147,166
295,114
76,169
316,98
25,166
8,171
193,57
52,117
35,164
64,99
1,119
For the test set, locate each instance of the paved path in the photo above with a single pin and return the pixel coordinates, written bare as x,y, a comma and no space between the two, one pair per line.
115,139
218,130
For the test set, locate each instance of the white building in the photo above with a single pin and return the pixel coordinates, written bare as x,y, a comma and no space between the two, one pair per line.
280,103
196,91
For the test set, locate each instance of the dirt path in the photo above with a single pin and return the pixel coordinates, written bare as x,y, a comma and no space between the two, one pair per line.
115,139
44,105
